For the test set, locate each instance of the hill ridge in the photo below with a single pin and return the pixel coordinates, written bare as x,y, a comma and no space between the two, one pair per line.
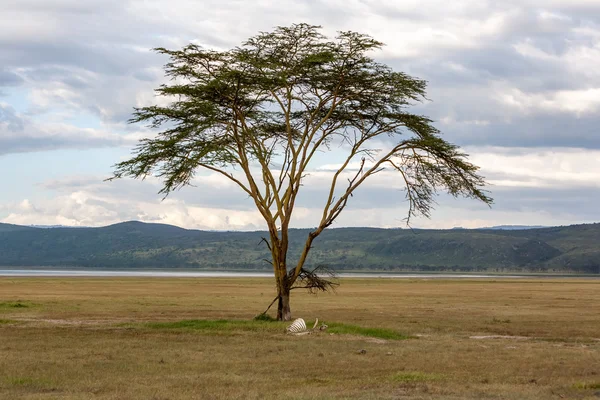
136,244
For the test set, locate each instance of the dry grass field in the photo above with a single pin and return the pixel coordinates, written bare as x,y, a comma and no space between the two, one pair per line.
99,338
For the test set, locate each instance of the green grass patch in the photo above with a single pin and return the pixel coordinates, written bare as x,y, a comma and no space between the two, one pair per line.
221,325
415,377
270,325
380,333
29,382
7,321
582,385
14,304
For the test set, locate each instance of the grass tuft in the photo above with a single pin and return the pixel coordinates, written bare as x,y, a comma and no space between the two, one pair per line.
7,321
28,382
415,377
380,333
264,317
582,385
14,304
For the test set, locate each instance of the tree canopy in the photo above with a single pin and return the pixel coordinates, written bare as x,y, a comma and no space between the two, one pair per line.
258,113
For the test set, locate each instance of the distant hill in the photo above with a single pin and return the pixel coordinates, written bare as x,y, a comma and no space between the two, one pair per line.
515,227
55,226
139,245
12,228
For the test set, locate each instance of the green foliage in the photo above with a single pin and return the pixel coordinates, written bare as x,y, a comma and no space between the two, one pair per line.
380,333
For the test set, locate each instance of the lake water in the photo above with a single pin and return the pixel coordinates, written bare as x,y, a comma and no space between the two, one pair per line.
226,274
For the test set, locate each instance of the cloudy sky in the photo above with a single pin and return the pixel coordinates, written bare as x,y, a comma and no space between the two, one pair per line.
515,83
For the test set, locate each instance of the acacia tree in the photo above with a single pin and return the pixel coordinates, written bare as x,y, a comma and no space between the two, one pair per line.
257,114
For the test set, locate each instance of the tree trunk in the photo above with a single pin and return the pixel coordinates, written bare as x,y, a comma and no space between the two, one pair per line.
284,313
279,252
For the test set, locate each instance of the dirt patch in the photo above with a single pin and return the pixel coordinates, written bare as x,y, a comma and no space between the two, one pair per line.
376,340
351,338
500,337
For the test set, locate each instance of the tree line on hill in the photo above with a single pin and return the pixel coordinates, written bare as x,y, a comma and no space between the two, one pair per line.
140,245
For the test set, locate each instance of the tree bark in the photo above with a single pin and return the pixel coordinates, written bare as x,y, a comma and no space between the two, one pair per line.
279,253
284,313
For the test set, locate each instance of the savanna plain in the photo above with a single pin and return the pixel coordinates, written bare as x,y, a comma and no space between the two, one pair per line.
159,338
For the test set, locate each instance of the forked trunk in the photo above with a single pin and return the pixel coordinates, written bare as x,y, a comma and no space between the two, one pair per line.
283,309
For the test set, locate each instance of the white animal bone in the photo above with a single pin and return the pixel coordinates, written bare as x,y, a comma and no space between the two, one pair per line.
298,327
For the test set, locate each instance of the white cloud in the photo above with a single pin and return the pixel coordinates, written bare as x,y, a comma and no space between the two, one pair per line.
579,59
534,168
577,102
83,208
445,217
503,167
20,133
